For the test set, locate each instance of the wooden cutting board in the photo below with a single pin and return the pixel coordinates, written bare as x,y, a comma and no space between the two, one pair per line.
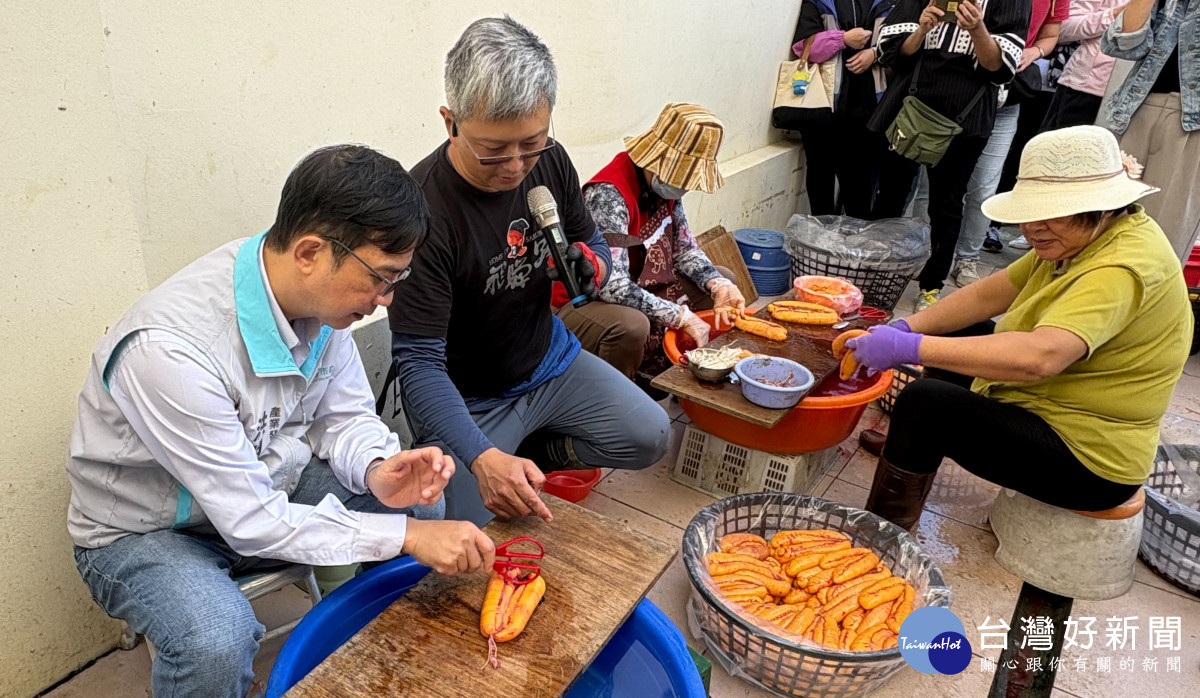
428,643
809,345
720,247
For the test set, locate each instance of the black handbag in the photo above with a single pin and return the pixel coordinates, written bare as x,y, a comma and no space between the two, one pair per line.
1026,85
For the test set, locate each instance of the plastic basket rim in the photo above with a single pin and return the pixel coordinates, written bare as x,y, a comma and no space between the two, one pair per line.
1163,501
802,251
718,604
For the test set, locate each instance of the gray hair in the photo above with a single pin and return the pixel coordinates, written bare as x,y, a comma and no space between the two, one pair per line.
499,70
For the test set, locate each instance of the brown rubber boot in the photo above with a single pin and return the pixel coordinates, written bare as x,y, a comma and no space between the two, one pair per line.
898,495
872,441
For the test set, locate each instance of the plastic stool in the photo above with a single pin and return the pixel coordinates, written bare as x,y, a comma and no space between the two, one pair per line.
1061,555
253,586
1083,555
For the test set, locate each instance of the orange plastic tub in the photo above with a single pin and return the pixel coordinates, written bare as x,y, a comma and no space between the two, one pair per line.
820,420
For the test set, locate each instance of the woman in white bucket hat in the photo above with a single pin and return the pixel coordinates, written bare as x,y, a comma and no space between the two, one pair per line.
1061,398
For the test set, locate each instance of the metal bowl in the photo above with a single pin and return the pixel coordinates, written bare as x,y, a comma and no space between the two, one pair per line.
708,375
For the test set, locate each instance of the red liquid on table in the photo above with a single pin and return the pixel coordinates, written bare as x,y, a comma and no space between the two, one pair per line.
834,386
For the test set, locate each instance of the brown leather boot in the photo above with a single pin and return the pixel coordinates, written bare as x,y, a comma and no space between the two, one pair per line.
872,441
898,495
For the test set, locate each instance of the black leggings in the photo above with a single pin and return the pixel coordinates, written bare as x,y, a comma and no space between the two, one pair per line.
939,417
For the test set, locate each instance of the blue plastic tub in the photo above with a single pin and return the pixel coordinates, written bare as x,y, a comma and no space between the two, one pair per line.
762,249
647,657
769,264
753,369
771,282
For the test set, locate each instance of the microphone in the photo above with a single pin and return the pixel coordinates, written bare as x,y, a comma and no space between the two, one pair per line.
544,210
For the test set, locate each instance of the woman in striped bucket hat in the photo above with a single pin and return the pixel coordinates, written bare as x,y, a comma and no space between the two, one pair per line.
660,275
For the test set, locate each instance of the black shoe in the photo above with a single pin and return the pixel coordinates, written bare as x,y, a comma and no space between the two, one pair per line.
872,441
898,495
991,240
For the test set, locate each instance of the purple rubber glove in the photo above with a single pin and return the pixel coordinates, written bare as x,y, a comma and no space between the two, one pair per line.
901,325
886,347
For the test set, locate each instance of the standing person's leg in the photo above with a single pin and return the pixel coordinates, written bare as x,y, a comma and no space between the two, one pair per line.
615,333
897,176
982,185
1070,107
1171,157
999,442
589,418
855,168
176,590
920,199
947,188
819,159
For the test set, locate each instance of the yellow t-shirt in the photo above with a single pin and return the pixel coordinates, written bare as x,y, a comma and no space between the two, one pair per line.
1125,297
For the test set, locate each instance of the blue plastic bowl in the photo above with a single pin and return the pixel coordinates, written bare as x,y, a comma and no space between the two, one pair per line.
752,370
647,657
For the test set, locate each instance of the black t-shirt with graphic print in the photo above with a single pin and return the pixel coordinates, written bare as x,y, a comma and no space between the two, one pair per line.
479,280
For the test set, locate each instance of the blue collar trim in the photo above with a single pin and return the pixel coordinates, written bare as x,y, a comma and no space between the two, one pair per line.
269,356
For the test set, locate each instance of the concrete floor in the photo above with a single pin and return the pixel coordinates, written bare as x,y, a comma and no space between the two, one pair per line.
952,530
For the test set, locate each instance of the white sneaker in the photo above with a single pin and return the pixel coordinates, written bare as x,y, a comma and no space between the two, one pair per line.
966,272
926,299
1020,243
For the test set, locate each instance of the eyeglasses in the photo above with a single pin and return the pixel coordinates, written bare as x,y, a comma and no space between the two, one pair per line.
389,285
501,159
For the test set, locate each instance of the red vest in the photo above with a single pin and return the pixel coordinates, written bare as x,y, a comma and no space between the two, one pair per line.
650,266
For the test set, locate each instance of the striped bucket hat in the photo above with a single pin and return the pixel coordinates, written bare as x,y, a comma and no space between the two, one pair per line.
681,148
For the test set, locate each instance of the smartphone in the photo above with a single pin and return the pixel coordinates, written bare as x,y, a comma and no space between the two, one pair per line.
950,7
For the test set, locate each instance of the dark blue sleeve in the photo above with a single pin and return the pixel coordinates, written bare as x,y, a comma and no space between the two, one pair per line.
599,247
431,394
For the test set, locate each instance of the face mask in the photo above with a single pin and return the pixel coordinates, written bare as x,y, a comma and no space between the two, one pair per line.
665,190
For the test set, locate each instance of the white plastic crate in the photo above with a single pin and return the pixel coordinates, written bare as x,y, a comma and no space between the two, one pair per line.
715,466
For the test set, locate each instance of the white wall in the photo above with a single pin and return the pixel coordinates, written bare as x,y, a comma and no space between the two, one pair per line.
135,136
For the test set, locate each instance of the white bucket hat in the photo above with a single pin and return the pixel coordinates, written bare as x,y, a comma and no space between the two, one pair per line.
1069,171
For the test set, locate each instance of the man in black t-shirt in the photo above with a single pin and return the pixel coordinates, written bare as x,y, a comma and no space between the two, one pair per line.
484,367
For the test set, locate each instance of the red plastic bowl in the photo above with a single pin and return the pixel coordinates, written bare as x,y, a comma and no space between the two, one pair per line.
571,485
818,422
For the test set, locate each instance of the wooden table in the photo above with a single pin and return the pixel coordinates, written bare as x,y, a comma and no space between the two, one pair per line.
805,344
428,643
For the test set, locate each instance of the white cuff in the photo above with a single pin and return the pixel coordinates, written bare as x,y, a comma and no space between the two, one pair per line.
380,537
359,475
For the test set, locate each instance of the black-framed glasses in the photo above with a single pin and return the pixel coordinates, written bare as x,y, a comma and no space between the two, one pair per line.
389,285
501,159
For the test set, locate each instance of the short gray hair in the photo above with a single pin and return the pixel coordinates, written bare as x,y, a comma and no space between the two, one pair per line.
499,70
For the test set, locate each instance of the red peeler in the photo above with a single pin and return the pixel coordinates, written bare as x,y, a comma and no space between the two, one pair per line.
517,572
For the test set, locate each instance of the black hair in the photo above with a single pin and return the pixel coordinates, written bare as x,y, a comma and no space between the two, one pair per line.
1091,219
352,194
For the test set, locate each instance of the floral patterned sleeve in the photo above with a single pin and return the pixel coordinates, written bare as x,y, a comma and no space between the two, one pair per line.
608,209
690,260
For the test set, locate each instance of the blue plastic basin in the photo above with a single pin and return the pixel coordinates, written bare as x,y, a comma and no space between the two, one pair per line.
753,369
646,658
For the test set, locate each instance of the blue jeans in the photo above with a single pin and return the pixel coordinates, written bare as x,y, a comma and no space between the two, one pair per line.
611,422
176,587
984,181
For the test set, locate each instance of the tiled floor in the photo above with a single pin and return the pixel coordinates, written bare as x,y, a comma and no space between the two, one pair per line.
953,530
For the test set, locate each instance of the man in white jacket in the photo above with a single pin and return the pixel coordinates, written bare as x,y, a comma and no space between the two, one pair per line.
226,426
